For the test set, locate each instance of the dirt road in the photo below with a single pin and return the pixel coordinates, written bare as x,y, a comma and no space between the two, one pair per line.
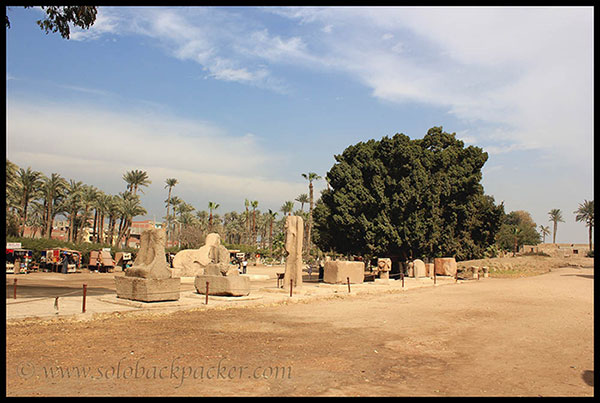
496,337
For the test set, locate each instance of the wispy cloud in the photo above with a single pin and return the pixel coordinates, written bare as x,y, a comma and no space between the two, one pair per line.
525,70
101,145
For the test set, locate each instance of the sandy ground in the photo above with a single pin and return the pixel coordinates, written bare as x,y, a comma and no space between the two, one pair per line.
530,336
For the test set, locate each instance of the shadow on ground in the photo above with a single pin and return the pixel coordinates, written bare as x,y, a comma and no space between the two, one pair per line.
588,377
580,275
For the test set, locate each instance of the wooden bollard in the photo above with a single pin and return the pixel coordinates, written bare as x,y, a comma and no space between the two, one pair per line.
15,289
348,279
84,295
291,286
206,302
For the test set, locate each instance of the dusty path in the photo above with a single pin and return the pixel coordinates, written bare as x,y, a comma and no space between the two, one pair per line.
498,337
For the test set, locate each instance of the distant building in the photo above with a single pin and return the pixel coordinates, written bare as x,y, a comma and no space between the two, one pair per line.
137,227
558,249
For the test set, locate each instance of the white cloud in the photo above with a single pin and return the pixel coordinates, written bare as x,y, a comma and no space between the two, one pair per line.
97,146
526,70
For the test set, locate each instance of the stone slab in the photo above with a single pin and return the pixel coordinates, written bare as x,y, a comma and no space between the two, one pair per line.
445,266
235,286
336,272
419,269
147,290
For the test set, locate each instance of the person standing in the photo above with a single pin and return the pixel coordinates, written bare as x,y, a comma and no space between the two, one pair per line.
244,265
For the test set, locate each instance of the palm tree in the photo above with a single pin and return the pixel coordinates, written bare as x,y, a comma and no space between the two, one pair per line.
254,205
585,213
544,231
287,207
135,179
555,217
71,205
272,216
303,198
113,211
54,189
311,176
170,183
35,219
27,186
88,198
211,206
129,207
247,219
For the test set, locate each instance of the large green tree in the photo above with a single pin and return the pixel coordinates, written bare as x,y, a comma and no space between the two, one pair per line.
410,198
518,229
60,18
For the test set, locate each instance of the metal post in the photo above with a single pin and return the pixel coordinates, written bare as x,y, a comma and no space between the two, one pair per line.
84,295
348,278
206,303
15,289
434,277
291,286
456,276
402,277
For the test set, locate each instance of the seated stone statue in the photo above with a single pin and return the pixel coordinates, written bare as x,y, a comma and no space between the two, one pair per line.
150,261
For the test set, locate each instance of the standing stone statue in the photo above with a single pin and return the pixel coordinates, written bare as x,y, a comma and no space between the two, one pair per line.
149,279
294,231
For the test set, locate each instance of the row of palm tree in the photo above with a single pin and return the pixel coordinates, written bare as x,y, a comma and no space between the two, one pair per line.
585,213
34,200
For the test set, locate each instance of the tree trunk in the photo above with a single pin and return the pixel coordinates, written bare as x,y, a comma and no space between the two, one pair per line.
554,234
49,217
24,217
590,237
308,234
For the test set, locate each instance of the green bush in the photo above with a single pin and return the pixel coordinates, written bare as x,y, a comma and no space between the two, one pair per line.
590,254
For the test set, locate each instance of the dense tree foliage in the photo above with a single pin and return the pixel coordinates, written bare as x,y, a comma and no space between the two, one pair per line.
60,18
518,229
411,198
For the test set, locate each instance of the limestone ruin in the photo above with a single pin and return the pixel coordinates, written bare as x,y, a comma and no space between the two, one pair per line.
384,266
222,279
192,262
294,233
418,268
337,272
445,266
149,279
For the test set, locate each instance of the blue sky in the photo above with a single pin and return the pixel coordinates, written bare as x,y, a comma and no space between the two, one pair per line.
237,102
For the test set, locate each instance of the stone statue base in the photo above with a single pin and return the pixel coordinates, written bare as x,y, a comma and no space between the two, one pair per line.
236,286
222,279
147,290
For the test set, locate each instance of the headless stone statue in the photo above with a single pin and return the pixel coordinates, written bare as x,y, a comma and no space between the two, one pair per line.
149,279
151,262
